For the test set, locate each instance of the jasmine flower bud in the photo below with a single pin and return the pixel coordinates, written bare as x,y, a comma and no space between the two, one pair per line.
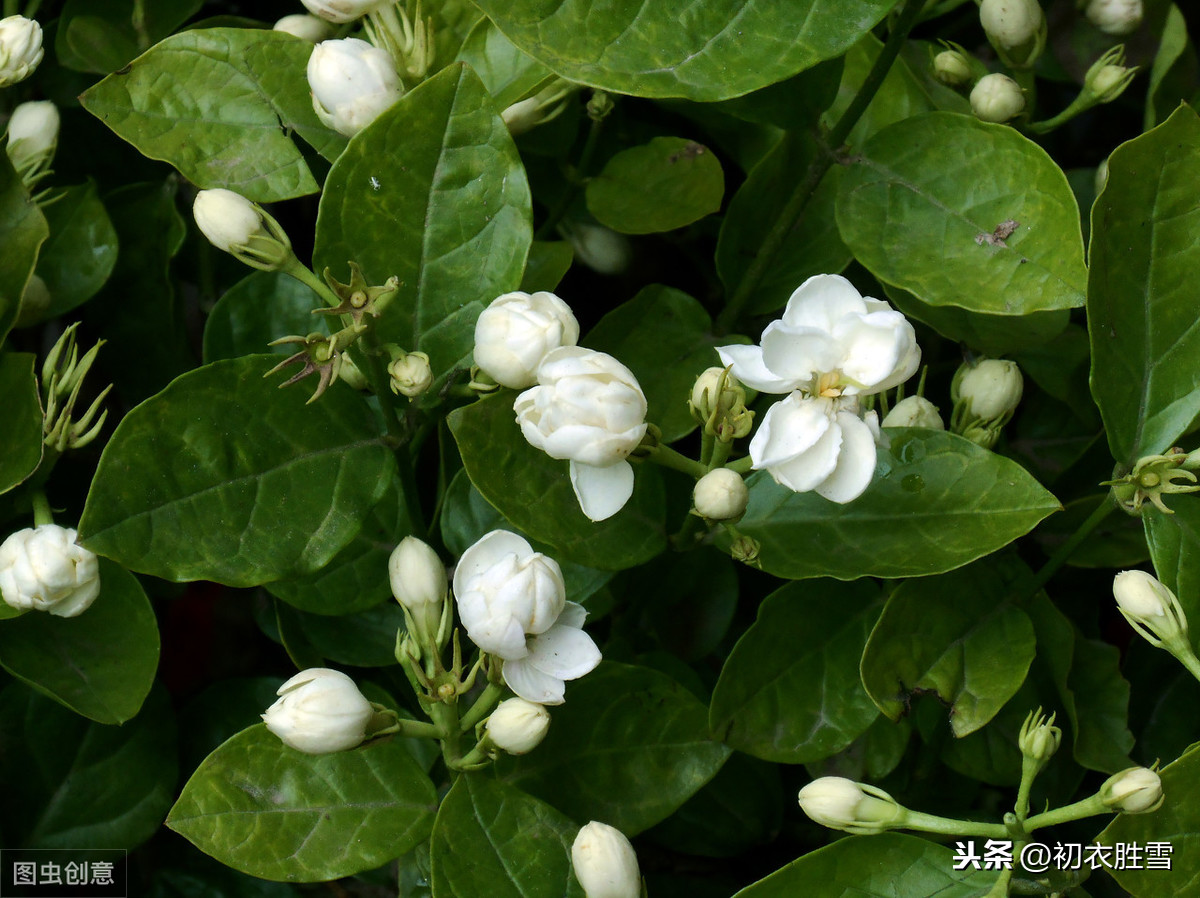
721,495
32,134
1015,28
410,374
518,726
1151,609
914,411
241,228
985,396
600,249
306,27
951,68
319,711
341,11
352,83
516,331
20,49
1115,17
44,569
418,580
1137,790
839,803
605,863
1039,738
1107,78
997,98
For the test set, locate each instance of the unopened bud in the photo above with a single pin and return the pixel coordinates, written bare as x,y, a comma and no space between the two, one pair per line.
721,495
840,803
1115,17
605,863
418,580
914,411
997,98
518,726
1107,78
985,396
306,27
1039,738
410,374
241,228
32,134
602,250
1151,609
952,68
20,49
544,106
1137,790
1016,29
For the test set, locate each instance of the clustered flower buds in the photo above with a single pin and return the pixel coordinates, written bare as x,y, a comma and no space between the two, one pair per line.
241,228
352,83
997,98
832,346
590,409
20,49
1137,790
840,803
605,863
516,331
985,394
44,569
512,603
517,726
718,402
319,711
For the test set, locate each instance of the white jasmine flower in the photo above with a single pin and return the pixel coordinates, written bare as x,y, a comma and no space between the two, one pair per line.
516,331
20,49
227,219
840,803
590,409
319,711
352,83
564,652
418,581
605,863
817,444
831,341
44,569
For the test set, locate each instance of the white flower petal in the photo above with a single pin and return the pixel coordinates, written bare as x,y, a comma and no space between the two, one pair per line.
797,353
573,615
533,685
602,492
485,553
748,367
564,652
790,427
821,300
855,463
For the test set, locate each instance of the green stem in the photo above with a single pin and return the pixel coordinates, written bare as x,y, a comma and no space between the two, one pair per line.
410,729
12,7
306,276
706,448
1029,770
947,826
445,717
41,509
1185,655
669,458
797,202
574,185
1088,807
1028,83
1067,549
1079,105
719,454
483,706
743,465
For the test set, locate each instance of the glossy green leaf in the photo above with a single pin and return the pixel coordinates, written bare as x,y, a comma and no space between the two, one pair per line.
1173,76
719,50
690,599
222,710
363,639
810,247
959,635
659,186
21,436
1144,332
928,203
1176,823
790,690
100,36
216,104
273,812
548,264
83,783
532,490
81,250
454,205
885,864
1174,541
629,747
793,105
507,72
99,664
262,307
223,476
23,229
492,839
665,338
356,578
937,502
1119,541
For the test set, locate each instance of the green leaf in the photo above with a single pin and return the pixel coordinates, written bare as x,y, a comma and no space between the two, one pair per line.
81,251
810,247
1177,823
773,698
454,206
937,502
508,73
355,579
548,264
363,639
1173,76
793,105
1144,332
1174,541
659,186
629,747
492,839
721,49
886,864
21,437
260,308
959,635
217,104
86,784
532,490
665,338
222,476
100,36
270,811
23,229
99,664
927,204
690,599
